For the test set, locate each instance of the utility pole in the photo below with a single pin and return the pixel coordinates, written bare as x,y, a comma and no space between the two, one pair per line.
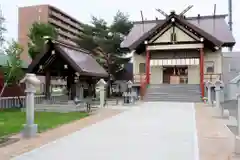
230,22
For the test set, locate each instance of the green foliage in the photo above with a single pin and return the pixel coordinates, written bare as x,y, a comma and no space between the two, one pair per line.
104,41
13,72
121,23
99,23
36,36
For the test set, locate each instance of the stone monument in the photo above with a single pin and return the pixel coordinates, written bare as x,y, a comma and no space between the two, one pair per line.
101,84
224,113
217,92
31,81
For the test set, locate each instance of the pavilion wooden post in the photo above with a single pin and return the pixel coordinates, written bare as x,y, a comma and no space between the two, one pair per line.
47,85
147,63
70,86
202,71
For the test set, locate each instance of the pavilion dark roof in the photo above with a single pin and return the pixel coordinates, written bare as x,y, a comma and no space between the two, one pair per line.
78,58
214,28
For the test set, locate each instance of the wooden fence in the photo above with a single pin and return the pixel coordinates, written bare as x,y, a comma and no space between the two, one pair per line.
10,102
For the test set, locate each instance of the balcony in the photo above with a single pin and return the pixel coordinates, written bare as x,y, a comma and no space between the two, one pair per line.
65,40
64,26
67,34
67,20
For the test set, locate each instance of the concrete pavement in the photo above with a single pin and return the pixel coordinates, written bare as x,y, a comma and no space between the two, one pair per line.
155,130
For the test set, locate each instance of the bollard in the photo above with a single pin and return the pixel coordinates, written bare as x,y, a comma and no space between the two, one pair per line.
31,81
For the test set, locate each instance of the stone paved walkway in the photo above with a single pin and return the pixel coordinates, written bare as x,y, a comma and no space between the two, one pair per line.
216,142
155,131
25,145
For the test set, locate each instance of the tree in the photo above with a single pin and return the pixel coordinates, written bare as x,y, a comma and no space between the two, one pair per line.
121,23
13,72
2,30
104,41
36,36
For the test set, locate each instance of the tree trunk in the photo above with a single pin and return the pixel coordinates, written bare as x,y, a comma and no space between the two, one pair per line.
109,76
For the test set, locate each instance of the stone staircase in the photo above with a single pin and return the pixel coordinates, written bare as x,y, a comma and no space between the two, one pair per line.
173,92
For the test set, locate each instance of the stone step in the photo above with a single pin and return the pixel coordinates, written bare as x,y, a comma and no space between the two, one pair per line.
172,95
173,98
173,86
166,92
173,91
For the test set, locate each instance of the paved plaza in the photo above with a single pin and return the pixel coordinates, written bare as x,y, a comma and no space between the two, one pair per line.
154,130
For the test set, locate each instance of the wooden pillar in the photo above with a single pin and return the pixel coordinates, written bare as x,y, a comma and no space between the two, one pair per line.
47,85
71,86
147,63
202,71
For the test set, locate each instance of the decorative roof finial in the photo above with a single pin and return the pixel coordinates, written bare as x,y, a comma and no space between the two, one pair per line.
172,12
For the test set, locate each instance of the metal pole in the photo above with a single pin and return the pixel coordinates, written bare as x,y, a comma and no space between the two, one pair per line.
230,21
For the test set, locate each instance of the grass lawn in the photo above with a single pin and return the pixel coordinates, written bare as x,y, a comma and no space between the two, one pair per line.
12,120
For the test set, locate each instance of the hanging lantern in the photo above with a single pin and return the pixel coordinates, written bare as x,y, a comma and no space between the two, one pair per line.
77,74
59,80
65,66
76,79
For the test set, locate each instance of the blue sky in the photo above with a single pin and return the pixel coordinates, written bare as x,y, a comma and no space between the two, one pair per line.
82,10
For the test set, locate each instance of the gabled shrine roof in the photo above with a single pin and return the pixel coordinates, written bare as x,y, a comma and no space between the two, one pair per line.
78,58
214,28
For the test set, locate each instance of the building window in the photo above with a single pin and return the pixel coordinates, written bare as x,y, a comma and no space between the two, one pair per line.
142,68
209,67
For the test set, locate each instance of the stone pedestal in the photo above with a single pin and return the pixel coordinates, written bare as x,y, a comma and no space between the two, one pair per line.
218,87
209,90
226,114
31,81
30,130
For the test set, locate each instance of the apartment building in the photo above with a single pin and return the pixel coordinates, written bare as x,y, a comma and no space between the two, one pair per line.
68,27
